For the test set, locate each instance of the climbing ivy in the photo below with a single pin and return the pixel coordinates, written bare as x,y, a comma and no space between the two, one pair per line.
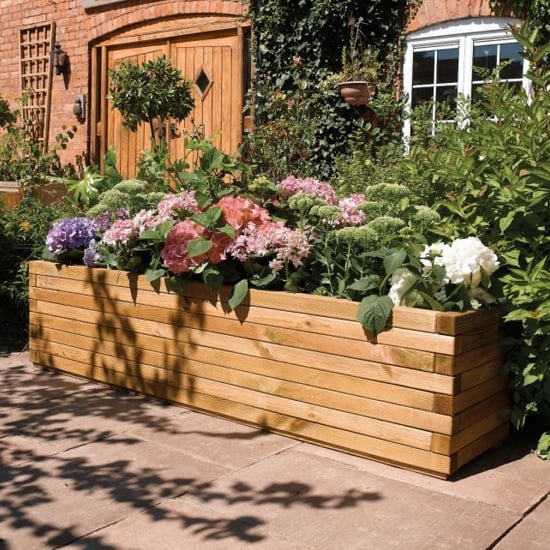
296,45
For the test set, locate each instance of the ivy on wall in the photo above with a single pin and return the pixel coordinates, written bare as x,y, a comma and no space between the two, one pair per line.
296,45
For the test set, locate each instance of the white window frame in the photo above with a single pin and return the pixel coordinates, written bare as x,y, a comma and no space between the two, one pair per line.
463,34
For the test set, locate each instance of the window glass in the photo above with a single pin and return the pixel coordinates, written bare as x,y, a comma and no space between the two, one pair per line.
447,65
453,59
421,95
511,55
423,67
484,60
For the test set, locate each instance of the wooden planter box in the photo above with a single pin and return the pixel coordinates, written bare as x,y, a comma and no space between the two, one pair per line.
427,395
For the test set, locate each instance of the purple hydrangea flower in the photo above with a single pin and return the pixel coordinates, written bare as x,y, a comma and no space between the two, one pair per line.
102,221
92,257
68,233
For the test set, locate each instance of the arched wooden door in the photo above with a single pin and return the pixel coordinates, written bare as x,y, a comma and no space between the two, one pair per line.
211,59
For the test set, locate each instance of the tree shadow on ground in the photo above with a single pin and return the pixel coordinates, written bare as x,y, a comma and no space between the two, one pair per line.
55,489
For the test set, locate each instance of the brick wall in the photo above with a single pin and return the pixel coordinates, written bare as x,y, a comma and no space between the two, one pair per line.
432,12
76,29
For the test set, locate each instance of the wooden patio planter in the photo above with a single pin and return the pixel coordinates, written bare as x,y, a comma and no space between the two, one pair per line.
427,395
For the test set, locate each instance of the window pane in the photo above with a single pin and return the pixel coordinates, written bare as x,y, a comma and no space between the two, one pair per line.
421,95
423,67
446,99
447,65
484,60
511,53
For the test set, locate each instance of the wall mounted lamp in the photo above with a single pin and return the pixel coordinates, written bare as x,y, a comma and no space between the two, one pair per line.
79,107
59,59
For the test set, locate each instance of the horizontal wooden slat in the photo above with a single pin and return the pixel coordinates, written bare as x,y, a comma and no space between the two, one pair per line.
247,374
352,442
347,380
411,358
448,323
273,318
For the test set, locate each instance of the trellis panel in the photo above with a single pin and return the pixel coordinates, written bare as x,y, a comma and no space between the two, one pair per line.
35,47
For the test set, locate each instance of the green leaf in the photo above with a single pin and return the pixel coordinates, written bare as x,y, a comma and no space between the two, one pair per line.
374,312
212,278
394,260
543,446
198,247
366,284
175,284
228,230
261,282
240,291
154,274
209,218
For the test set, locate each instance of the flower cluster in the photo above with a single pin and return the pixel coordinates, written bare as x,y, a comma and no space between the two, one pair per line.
183,236
298,234
254,234
466,263
70,233
320,200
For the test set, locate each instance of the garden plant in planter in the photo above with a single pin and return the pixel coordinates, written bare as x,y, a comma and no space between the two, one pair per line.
229,300
360,65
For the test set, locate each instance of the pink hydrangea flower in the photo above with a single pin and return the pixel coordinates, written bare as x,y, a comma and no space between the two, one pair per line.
239,211
179,205
349,215
120,232
291,186
271,238
150,220
175,251
220,243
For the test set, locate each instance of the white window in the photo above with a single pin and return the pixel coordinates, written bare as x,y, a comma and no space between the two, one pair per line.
452,59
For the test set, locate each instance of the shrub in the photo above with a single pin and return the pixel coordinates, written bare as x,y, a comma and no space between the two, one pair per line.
492,180
23,231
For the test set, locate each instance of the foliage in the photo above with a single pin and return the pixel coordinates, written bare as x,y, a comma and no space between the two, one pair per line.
543,447
491,178
23,231
7,116
534,11
360,61
85,192
291,137
296,234
297,46
150,92
22,159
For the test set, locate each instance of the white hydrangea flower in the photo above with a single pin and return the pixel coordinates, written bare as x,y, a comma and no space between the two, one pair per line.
402,281
464,258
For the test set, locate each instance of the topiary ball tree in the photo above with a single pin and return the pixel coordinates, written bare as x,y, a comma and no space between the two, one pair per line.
148,92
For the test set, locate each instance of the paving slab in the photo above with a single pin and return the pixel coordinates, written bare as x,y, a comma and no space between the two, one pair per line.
505,477
326,504
220,441
54,501
532,533
181,524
